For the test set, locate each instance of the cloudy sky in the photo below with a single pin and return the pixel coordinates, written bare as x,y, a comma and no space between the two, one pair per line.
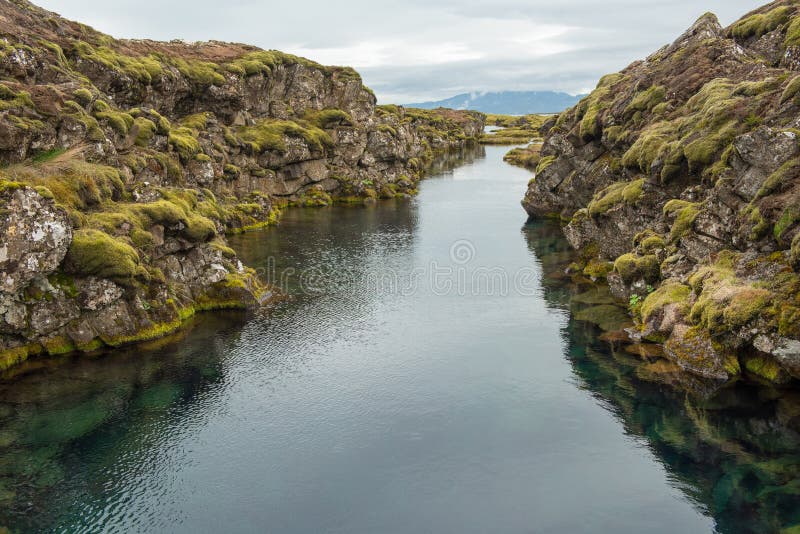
425,49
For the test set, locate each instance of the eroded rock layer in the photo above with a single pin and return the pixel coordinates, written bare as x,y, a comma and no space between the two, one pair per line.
679,178
126,162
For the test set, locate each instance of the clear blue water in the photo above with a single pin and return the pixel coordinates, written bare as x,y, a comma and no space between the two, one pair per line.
403,388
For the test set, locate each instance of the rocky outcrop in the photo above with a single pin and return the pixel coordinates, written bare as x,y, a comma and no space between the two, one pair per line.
125,163
681,175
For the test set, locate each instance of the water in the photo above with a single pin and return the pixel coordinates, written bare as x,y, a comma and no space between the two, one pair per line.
428,375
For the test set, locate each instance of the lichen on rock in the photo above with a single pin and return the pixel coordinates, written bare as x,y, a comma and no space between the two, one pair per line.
125,164
683,170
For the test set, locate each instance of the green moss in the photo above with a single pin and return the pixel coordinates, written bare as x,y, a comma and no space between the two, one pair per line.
760,23
315,198
264,61
328,118
648,146
793,33
184,142
96,253
47,155
628,192
685,215
83,96
64,282
746,305
764,367
647,100
589,109
198,121
760,225
780,178
793,87
120,121
598,269
58,345
231,170
145,130
145,69
795,250
632,267
200,73
653,244
704,150
789,217
10,99
76,184
544,163
385,128
148,333
669,293
269,135
725,303
16,355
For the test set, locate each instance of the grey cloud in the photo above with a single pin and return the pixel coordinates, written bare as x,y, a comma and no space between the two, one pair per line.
390,43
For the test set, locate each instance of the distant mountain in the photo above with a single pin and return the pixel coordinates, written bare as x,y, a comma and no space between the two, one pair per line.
507,102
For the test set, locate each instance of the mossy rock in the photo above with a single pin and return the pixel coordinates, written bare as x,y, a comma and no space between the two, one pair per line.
632,267
67,424
607,316
96,253
667,294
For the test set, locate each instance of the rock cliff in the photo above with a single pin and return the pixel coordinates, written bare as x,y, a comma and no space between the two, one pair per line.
126,162
679,180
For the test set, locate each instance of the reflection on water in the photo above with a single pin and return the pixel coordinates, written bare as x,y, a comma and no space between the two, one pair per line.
736,454
348,409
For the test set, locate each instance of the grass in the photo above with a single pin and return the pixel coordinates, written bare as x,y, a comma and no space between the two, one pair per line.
527,157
